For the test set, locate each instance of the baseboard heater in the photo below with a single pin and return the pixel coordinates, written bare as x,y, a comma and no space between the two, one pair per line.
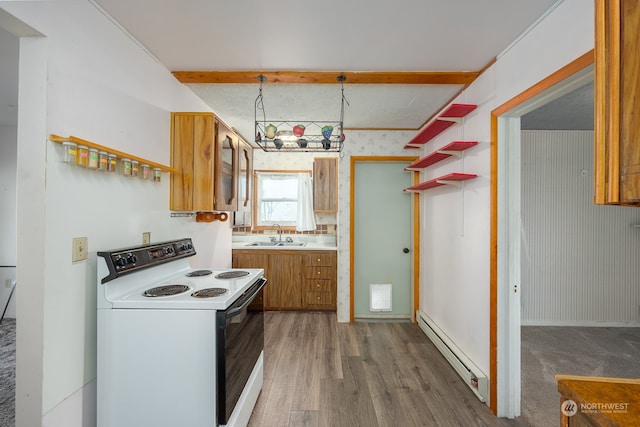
470,373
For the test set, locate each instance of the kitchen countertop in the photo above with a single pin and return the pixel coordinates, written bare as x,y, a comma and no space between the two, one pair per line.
313,243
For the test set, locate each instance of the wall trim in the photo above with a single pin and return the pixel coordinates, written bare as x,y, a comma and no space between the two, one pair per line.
584,324
568,70
416,229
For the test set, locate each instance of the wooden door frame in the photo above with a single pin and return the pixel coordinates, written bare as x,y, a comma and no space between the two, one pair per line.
563,73
416,229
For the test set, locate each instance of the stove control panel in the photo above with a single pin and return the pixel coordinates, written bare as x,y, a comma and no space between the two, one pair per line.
131,259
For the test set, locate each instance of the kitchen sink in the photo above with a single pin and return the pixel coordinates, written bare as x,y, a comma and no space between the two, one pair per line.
263,244
275,244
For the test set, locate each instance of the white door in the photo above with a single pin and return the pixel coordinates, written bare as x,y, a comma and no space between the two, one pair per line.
383,239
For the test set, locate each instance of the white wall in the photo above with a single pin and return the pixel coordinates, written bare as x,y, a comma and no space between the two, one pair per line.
275,160
85,78
456,223
579,260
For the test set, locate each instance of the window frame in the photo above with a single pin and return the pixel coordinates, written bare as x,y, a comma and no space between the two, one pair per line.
256,206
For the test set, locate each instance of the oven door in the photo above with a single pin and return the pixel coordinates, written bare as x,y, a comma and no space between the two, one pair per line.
239,343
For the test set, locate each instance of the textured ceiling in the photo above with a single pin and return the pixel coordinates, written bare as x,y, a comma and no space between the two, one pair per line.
334,35
573,111
339,35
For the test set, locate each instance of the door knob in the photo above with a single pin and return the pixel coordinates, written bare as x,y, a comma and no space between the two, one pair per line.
405,250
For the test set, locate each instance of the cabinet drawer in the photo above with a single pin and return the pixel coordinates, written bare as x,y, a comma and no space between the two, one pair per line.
318,298
319,285
320,259
320,272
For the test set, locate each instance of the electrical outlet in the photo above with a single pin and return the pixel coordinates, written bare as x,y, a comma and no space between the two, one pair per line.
79,252
146,238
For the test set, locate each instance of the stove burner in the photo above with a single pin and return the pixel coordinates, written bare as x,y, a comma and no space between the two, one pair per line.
233,274
199,273
209,293
165,290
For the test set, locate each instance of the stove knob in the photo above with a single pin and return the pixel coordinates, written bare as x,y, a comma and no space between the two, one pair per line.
169,250
132,259
120,262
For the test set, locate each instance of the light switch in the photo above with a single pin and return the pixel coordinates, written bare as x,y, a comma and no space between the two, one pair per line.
79,251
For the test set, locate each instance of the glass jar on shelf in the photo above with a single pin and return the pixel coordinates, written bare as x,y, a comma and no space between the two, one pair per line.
135,167
112,161
92,163
125,167
83,155
70,152
103,161
145,171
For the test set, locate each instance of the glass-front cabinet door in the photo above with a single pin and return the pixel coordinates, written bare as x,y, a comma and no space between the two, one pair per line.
242,216
226,169
245,153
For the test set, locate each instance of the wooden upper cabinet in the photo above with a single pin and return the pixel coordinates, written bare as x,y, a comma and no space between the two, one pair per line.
193,155
617,101
245,181
227,166
205,153
325,184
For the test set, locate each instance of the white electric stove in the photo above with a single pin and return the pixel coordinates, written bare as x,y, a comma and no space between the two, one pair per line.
176,345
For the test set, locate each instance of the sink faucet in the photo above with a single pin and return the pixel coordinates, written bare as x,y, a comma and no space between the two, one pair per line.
273,239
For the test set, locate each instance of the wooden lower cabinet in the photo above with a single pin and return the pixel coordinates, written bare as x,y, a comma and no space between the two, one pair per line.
319,283
284,276
297,280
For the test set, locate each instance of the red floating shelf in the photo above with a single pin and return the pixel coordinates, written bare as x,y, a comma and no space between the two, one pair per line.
442,180
441,154
445,119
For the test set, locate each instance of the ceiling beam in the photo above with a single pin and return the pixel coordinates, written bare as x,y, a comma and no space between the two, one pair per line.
329,77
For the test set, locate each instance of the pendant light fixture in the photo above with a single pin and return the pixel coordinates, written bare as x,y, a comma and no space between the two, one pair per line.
299,136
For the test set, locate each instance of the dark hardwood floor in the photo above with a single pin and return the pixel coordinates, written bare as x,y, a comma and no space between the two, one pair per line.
322,373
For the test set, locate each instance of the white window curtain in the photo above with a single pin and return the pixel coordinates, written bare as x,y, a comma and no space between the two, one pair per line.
306,219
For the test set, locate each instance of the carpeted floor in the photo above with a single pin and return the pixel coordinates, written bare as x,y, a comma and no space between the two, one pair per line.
551,350
7,372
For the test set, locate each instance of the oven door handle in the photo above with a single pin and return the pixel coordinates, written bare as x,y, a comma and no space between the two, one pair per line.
245,300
